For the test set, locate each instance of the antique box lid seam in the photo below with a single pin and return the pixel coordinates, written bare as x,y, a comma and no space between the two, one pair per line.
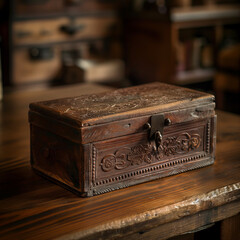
86,134
87,110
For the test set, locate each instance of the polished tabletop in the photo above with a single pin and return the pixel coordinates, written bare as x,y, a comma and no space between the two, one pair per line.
34,208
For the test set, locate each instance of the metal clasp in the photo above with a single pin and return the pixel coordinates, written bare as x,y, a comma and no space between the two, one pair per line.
156,126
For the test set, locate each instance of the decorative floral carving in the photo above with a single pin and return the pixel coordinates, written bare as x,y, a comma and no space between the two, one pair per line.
147,153
125,157
183,143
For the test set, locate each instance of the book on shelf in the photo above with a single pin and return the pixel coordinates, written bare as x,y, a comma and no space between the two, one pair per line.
180,57
194,53
207,55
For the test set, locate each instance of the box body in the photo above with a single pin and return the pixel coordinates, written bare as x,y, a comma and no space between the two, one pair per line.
98,143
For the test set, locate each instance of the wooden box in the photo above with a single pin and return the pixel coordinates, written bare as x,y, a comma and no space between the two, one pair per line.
94,144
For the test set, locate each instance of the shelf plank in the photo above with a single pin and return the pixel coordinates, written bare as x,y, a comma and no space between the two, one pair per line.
206,12
194,76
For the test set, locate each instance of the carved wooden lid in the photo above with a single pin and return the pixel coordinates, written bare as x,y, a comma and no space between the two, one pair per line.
124,103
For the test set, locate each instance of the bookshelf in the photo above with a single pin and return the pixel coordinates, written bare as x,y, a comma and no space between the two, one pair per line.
178,41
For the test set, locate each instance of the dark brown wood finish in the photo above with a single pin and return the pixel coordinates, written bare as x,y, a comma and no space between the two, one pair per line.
133,155
153,98
34,208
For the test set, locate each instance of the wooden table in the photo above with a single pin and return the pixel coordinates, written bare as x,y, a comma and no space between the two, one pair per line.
34,208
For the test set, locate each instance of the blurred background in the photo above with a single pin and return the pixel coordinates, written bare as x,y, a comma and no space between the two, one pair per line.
120,43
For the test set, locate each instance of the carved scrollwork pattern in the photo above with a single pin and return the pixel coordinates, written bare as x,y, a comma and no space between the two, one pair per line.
125,157
146,153
108,162
180,144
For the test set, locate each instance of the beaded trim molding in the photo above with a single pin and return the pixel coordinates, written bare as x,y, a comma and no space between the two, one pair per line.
148,169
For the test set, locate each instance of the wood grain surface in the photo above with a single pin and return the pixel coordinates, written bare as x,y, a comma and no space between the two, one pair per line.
123,103
34,208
